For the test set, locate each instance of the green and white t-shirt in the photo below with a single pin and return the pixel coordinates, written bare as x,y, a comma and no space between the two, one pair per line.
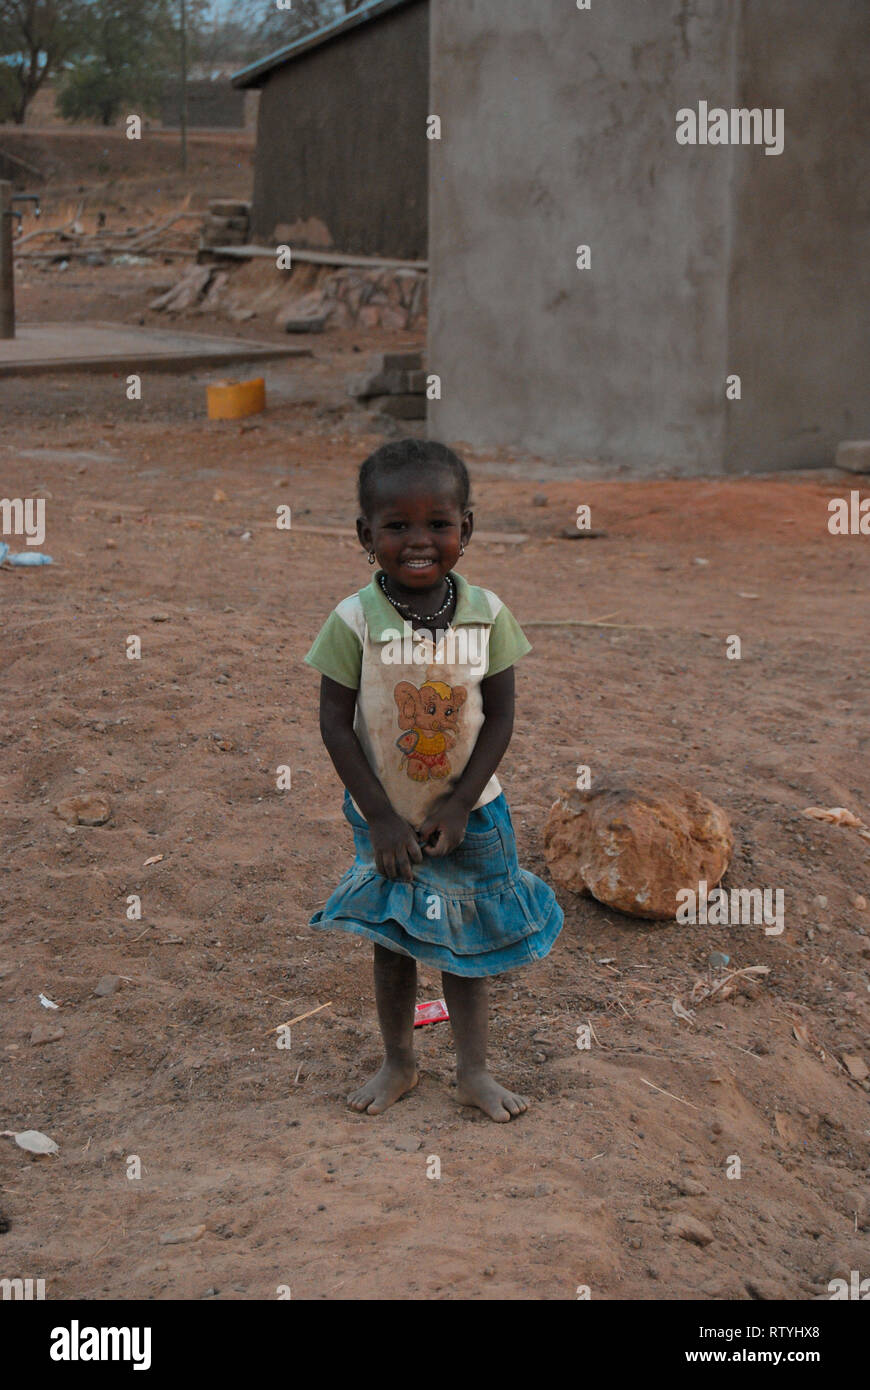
419,709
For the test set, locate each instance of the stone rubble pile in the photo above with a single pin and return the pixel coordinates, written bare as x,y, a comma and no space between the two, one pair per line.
227,223
393,384
376,298
305,300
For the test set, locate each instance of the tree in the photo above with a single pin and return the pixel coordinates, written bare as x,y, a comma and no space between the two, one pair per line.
36,36
249,28
263,29
128,48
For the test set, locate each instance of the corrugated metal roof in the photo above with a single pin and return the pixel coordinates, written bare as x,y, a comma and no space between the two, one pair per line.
253,75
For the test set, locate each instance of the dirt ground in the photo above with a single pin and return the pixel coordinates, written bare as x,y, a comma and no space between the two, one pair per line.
162,525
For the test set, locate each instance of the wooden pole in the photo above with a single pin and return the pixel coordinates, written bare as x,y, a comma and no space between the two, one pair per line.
184,86
7,281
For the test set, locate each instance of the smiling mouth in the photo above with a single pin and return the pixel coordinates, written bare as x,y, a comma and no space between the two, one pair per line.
419,564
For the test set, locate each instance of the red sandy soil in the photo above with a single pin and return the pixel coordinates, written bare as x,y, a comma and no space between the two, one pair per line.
107,168
147,506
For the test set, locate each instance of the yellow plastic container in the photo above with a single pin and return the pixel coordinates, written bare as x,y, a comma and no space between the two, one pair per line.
232,400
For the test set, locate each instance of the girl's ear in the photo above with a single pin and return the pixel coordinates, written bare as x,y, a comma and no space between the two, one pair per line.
364,533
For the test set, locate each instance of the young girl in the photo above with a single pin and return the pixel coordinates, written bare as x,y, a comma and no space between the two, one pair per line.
416,711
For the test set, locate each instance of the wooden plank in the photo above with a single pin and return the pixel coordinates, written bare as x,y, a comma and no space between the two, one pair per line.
77,253
247,253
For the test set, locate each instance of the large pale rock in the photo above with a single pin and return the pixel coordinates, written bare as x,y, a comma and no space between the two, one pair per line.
634,842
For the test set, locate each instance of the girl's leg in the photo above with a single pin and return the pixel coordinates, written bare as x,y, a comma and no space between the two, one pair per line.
396,994
468,1006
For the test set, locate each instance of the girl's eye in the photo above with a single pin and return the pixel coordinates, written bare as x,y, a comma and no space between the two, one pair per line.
394,525
448,712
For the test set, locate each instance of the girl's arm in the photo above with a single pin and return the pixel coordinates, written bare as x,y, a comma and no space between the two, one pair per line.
448,821
393,839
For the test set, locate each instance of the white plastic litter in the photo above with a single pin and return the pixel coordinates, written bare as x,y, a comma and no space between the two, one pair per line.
31,1140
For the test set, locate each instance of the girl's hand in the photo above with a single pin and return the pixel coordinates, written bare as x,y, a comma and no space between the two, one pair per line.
443,830
394,842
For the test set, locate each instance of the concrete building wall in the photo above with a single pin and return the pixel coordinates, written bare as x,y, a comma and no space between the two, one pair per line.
341,157
559,129
799,286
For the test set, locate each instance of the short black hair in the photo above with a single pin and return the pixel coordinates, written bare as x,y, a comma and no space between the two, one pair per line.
420,456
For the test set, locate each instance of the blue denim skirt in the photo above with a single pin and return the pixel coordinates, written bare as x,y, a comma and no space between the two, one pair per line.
473,912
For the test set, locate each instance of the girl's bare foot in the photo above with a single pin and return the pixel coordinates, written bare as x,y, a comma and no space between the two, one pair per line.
393,1080
482,1090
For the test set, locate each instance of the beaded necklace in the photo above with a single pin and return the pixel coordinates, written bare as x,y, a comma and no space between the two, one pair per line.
420,617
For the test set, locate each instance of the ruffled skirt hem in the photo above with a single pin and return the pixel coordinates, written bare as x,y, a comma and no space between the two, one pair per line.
476,952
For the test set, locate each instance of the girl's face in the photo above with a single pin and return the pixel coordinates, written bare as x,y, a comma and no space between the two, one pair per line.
416,529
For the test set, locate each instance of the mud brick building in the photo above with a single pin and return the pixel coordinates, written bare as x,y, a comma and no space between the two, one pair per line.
341,158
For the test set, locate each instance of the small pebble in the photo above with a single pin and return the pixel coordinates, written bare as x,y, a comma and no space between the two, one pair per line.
688,1228
91,808
181,1235
45,1033
407,1143
688,1187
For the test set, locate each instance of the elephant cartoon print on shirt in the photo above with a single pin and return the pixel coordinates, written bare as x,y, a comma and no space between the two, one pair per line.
430,716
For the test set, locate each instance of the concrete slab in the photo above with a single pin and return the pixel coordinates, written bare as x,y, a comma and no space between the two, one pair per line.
112,347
